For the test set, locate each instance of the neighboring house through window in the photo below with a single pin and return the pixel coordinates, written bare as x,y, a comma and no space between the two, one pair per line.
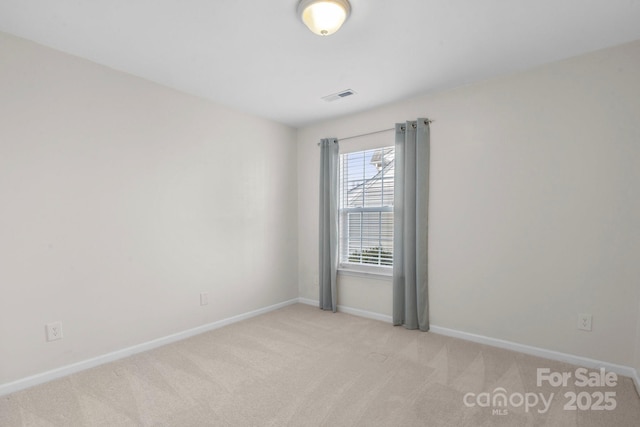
366,210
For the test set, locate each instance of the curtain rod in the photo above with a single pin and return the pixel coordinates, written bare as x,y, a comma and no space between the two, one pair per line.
366,134
371,133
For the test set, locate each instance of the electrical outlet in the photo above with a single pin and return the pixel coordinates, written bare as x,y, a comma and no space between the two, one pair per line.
584,321
54,331
204,298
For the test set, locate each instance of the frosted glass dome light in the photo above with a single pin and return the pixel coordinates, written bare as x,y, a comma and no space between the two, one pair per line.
324,17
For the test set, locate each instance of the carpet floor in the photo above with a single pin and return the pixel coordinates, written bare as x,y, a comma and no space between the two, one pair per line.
300,366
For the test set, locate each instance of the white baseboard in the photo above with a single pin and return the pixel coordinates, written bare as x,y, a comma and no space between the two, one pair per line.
537,351
368,314
636,380
53,374
31,381
508,345
350,310
309,301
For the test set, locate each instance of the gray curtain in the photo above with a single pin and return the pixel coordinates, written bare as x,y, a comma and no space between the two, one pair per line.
411,206
328,223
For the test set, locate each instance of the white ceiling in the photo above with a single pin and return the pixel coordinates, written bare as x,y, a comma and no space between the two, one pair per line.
257,56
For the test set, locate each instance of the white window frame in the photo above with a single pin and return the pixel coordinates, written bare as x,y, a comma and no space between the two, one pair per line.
350,268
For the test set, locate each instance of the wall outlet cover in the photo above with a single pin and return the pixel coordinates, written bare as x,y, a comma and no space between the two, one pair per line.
204,298
54,331
584,321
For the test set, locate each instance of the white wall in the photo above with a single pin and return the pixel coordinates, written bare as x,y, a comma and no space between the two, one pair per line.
535,205
121,201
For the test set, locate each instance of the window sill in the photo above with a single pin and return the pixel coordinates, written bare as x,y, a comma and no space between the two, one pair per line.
385,274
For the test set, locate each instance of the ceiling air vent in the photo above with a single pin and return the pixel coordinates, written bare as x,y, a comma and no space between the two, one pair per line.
339,95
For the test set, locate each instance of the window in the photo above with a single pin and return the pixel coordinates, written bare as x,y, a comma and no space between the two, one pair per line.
366,209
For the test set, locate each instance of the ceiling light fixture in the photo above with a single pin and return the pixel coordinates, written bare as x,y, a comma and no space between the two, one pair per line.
324,17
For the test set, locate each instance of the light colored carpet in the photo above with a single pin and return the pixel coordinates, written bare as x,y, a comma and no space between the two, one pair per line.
300,366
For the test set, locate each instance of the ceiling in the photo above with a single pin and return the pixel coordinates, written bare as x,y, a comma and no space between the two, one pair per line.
257,56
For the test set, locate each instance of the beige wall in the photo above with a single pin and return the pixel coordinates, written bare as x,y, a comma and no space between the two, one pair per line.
119,204
535,205
121,201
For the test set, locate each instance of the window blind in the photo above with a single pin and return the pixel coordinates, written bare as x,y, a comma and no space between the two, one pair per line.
366,207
